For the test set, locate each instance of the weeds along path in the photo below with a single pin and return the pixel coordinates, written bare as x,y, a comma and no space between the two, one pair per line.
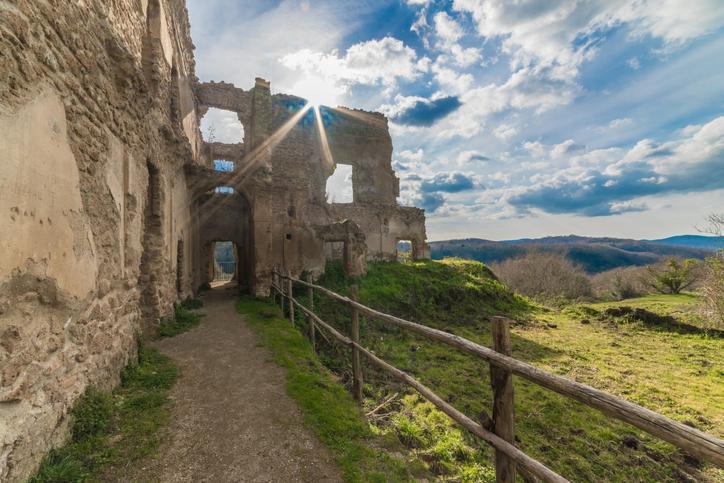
232,418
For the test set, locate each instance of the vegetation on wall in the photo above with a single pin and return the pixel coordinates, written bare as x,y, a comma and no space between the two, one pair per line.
111,430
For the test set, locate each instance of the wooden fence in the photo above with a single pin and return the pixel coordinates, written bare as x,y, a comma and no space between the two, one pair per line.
500,434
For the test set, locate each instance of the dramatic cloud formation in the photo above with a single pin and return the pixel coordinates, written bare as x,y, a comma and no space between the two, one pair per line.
692,163
373,62
416,111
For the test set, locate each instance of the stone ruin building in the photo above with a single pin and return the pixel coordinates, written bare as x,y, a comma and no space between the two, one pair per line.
110,202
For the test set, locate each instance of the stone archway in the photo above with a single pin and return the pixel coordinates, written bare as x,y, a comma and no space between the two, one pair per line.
226,216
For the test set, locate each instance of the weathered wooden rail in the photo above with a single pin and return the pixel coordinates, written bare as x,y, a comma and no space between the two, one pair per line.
508,458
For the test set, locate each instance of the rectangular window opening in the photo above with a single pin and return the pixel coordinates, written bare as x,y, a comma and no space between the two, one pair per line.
223,165
339,186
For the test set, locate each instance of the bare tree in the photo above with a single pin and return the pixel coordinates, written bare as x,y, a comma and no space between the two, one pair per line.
712,289
544,274
621,283
715,224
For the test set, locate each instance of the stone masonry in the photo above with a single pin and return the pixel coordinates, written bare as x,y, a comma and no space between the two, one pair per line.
108,200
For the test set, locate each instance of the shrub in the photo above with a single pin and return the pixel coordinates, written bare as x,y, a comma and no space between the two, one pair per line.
712,290
182,321
674,275
620,283
544,274
191,304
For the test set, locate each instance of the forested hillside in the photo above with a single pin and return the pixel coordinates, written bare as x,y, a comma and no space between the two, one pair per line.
593,254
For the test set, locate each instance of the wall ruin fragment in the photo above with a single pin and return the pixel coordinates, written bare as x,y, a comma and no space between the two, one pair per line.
108,203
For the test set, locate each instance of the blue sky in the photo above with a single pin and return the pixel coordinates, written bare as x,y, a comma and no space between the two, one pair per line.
509,119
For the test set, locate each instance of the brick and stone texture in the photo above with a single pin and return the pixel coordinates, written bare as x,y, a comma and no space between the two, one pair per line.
108,208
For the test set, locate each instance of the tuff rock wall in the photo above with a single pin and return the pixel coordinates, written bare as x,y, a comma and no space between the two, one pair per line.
97,118
108,200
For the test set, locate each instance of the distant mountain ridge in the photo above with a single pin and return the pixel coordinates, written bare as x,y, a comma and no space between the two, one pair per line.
593,254
693,241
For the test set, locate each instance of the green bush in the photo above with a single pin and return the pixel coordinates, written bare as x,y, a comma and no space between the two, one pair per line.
182,321
192,304
110,431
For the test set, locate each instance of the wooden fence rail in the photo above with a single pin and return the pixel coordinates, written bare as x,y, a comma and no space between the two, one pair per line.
503,366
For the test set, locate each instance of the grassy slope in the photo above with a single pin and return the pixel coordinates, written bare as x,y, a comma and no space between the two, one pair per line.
328,409
676,374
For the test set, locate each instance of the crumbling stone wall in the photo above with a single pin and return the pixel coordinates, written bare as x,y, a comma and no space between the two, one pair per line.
289,152
108,205
94,96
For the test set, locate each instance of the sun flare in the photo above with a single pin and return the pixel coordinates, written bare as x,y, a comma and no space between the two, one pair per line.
318,90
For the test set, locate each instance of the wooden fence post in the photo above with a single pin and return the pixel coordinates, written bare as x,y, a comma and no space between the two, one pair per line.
289,291
282,289
503,403
310,298
356,366
274,284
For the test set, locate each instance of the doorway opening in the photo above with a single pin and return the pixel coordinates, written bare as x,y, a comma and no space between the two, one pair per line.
404,251
334,250
224,259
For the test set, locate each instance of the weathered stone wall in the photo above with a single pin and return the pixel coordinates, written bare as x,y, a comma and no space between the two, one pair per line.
91,94
289,152
107,202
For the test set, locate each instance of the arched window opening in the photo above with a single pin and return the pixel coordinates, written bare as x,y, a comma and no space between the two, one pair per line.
220,126
339,186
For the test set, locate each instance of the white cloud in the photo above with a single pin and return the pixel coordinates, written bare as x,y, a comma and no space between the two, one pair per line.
634,63
608,182
412,155
447,29
620,123
228,36
450,80
383,61
505,132
560,35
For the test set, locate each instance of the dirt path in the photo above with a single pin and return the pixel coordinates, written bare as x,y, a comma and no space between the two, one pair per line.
232,418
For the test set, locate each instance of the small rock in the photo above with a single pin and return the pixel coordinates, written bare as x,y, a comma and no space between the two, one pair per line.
631,441
552,326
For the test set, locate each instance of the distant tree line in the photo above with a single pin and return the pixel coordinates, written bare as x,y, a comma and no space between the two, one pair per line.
551,276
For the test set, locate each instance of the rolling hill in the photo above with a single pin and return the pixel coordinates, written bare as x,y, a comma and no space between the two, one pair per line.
593,254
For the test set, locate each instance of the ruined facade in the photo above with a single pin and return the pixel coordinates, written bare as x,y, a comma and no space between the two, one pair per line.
109,205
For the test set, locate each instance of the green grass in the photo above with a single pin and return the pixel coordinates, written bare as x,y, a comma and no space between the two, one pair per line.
111,431
328,409
677,374
191,304
182,321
